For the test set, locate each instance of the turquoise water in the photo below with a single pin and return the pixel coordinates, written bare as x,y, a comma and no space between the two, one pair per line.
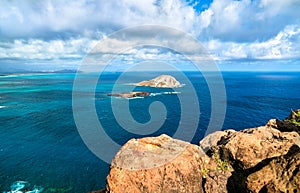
40,143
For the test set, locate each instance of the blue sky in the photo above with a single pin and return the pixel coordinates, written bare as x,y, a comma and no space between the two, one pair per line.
57,34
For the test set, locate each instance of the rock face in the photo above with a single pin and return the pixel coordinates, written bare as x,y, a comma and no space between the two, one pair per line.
162,81
291,123
212,139
256,160
280,175
129,94
157,164
247,148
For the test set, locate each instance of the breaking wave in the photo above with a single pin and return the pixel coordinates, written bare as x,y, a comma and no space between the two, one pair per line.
164,93
24,187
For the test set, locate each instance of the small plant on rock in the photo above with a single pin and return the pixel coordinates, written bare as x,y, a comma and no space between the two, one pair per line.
222,164
295,118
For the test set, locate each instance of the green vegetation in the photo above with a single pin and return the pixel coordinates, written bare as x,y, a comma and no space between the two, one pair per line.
296,117
297,114
204,172
222,164
293,121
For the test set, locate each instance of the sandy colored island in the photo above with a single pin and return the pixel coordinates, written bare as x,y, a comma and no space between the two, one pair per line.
162,81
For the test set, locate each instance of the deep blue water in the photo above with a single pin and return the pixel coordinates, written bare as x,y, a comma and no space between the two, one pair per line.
40,142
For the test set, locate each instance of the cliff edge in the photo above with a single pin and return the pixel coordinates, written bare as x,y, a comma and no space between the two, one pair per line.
261,159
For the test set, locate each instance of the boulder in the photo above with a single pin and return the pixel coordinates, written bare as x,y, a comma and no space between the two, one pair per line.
157,164
212,139
247,148
262,159
216,181
280,175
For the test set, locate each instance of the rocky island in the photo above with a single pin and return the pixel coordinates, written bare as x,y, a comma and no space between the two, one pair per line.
162,81
261,159
129,94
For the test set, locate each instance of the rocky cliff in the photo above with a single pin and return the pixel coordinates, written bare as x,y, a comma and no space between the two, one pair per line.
162,81
262,159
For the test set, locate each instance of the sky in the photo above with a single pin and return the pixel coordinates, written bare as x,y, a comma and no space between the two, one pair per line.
237,34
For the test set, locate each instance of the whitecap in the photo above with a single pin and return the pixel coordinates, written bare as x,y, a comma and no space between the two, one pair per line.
135,98
2,107
155,94
22,187
171,92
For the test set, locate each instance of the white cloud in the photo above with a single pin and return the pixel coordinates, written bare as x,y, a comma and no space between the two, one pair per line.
39,19
58,29
285,45
40,49
248,21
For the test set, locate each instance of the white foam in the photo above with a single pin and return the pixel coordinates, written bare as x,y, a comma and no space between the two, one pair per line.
2,107
171,92
155,94
163,93
135,98
21,187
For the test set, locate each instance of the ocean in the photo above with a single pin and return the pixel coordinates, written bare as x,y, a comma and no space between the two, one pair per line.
42,145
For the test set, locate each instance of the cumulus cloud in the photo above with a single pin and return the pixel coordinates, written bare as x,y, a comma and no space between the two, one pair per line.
51,19
248,21
228,29
39,49
285,45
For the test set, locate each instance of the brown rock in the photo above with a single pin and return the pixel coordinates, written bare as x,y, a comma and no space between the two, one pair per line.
216,181
262,159
212,139
284,126
157,164
245,149
280,175
291,123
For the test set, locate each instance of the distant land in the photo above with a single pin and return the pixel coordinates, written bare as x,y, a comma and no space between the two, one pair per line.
22,71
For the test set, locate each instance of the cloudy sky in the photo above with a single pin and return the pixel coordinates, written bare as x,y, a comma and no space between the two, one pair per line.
59,33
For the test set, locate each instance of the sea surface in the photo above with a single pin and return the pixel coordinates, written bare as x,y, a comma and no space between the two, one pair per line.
41,145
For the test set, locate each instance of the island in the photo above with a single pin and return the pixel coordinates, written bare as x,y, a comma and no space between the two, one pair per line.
162,81
129,94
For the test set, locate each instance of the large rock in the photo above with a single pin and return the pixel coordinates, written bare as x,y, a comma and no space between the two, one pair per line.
157,164
212,139
262,159
162,81
247,148
280,175
216,181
